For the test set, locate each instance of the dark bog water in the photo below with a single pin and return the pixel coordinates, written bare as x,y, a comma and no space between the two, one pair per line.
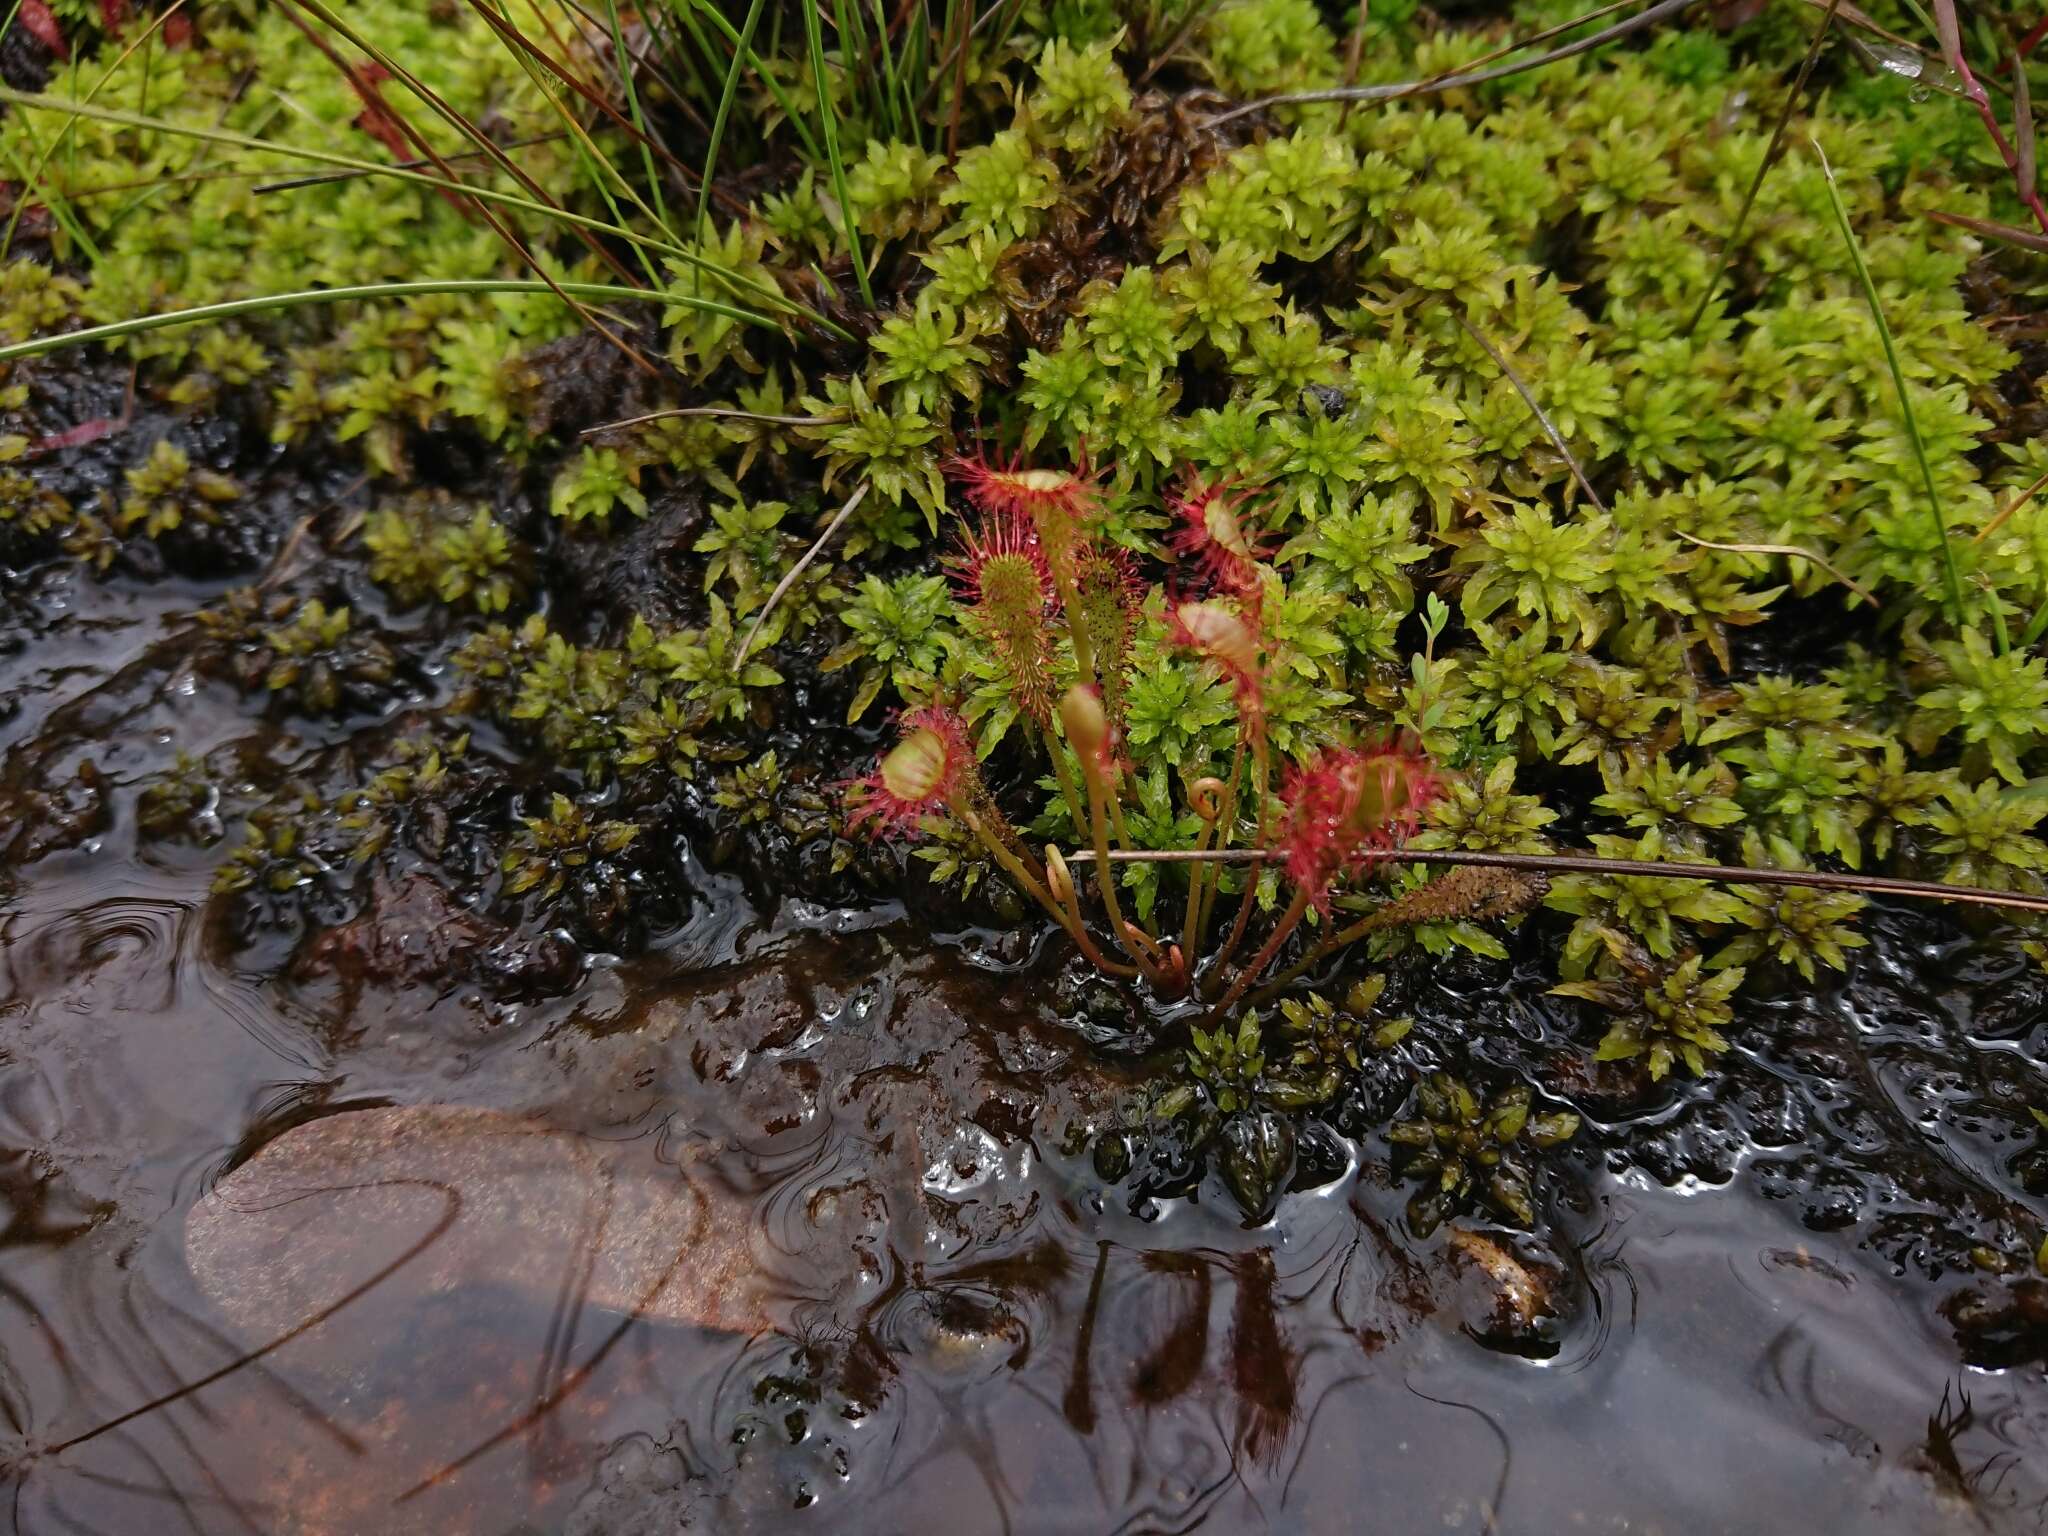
791,1223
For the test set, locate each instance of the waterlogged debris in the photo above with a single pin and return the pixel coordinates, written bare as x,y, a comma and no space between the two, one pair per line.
1520,1300
379,1211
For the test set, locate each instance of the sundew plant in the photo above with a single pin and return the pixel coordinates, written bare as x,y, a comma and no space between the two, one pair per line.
1248,495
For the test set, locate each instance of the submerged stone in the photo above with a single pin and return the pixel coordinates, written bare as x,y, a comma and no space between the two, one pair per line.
378,1210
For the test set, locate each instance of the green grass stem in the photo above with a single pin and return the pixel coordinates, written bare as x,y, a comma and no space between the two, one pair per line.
264,303
1951,576
828,119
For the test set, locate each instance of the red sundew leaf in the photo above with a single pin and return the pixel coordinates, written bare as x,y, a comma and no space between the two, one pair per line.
178,31
113,14
35,15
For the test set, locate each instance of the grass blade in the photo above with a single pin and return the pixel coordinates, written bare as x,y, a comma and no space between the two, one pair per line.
1951,577
742,51
34,180
1661,11
757,292
627,68
601,173
510,238
828,120
774,86
264,303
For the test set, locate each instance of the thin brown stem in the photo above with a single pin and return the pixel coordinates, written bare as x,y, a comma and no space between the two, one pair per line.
1289,921
1990,229
1588,864
789,579
721,412
1516,45
1195,15
373,100
518,40
325,178
1656,13
1771,153
2005,512
1354,56
1549,427
1784,549
956,60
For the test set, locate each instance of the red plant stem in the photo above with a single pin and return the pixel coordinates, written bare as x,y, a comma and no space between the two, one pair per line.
1328,945
1201,878
1260,768
1135,944
2031,196
1226,824
2032,40
1237,928
1261,775
1289,921
1062,882
1197,879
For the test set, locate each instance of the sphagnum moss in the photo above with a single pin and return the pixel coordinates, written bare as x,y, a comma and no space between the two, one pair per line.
1280,371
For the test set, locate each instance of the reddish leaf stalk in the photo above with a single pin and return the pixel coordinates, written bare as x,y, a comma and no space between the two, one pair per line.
1088,730
1950,29
1061,880
1290,920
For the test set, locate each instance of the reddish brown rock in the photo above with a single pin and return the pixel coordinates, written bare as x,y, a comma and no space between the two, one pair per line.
378,1210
